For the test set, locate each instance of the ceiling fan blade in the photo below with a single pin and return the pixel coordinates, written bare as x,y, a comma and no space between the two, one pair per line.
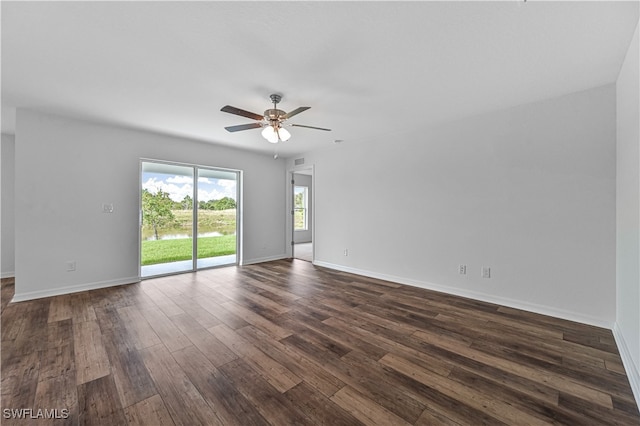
295,112
243,127
241,112
310,127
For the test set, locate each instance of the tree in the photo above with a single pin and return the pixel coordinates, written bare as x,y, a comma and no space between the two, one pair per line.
225,203
156,210
187,203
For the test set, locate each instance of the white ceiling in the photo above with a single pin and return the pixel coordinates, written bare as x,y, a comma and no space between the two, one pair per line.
364,68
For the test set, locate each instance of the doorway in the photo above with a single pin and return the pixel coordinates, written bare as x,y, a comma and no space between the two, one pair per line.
302,190
178,202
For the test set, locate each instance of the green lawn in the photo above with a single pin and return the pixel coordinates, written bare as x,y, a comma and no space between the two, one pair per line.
162,251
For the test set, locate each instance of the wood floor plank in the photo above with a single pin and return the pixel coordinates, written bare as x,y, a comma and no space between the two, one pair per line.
244,295
130,375
279,376
91,359
256,320
227,402
225,316
81,307
273,292
112,297
60,308
7,290
309,371
273,406
164,303
58,358
217,352
182,399
57,361
19,379
58,393
195,311
321,409
604,415
615,366
138,327
148,412
287,342
165,329
560,382
431,417
59,333
98,403
24,326
425,360
365,410
14,322
395,396
472,397
320,342
336,333
545,411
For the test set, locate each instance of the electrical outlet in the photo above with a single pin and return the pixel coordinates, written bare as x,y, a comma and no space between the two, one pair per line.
107,208
346,252
462,269
486,272
71,266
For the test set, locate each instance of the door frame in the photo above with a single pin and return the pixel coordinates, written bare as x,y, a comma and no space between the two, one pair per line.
310,170
195,168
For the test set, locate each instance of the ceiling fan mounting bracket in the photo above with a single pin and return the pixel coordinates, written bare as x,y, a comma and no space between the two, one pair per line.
275,98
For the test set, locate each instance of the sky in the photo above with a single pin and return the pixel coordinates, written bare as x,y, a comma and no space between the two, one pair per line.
180,186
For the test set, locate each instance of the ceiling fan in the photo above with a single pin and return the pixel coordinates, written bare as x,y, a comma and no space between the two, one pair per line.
272,122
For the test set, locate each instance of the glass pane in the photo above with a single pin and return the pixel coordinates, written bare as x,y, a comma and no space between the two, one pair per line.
300,219
300,208
167,219
217,216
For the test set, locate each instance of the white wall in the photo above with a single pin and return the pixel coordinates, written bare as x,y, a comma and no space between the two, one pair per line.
7,245
528,191
305,236
627,330
66,170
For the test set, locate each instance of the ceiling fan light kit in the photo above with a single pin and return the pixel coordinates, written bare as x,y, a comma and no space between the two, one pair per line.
275,134
271,122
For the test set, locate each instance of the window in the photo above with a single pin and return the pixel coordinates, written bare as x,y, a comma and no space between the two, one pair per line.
300,197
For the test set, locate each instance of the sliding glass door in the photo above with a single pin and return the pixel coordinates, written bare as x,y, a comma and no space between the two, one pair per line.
178,202
167,222
217,217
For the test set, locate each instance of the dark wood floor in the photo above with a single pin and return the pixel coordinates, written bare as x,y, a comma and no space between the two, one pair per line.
287,343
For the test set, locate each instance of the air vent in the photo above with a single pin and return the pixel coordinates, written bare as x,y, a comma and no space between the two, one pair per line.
299,161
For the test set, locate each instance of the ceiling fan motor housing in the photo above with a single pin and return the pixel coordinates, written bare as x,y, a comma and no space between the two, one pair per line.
274,114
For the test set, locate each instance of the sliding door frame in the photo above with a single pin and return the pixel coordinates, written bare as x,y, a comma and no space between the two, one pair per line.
194,218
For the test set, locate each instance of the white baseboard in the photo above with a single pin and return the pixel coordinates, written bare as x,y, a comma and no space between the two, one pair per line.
9,274
264,259
516,304
21,297
633,373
